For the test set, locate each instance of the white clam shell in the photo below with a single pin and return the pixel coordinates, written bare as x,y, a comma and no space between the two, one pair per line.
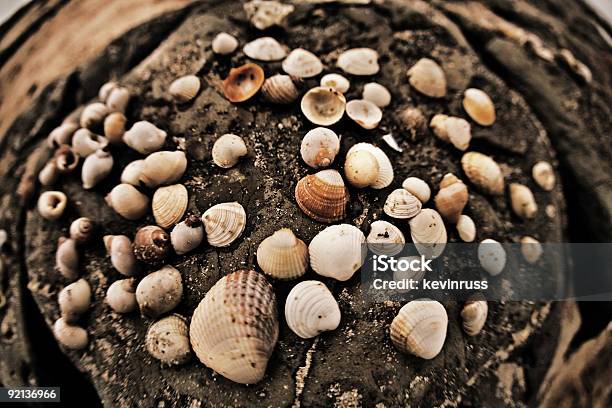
417,187
144,137
168,340
466,228
121,296
335,81
69,336
224,44
427,77
544,175
359,61
127,201
428,233
74,300
492,256
93,114
224,223
522,200
337,251
385,175
479,106
118,100
401,204
169,204
227,150
320,147
311,309
84,142
161,168
264,49
377,94
121,252
185,88
474,315
96,167
131,173
302,63
531,249
365,113
187,235
282,255
385,239
159,292
323,106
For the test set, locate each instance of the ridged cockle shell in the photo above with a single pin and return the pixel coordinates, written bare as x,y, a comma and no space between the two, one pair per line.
187,235
365,113
145,137
282,255
311,309
322,196
161,168
484,172
492,256
159,292
323,106
169,204
185,88
479,106
82,229
320,147
280,89
302,64
127,201
359,61
402,204
151,244
428,233
362,171
338,251
427,77
264,49
224,223
385,239
121,252
243,82
227,150
168,340
474,314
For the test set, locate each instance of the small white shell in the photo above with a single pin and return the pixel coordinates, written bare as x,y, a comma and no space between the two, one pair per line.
428,233
93,113
282,255
169,204
144,137
466,228
224,44
452,130
74,300
365,113
127,201
71,337
51,205
384,176
121,252
320,147
474,315
187,235
302,64
161,168
168,340
105,90
82,229
66,159
427,77
159,292
544,175
359,61
121,296
418,188
264,49
96,167
335,81
62,134
531,249
377,94
337,251
131,173
523,202
49,174
67,258
227,150
323,106
492,256
84,142
479,106
185,88
267,13
118,100
311,309
224,223
385,239
401,204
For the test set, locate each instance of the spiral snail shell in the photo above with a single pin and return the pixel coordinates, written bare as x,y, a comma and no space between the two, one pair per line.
85,142
69,336
161,168
51,204
121,252
82,229
127,201
144,137
74,300
320,147
121,296
67,258
96,167
151,244
187,235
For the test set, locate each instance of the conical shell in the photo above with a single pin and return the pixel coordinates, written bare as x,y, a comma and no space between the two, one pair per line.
302,64
385,175
322,196
531,249
311,309
474,314
484,172
185,88
224,223
121,296
385,239
169,204
243,82
51,204
280,89
323,106
159,292
544,175
479,106
151,244
335,81
452,130
492,256
93,113
187,235
118,100
401,204
168,340
338,251
523,202
67,258
466,228
82,229
85,142
428,233
420,328
365,113
114,127
224,44
127,201
320,147
451,200
264,49
377,94
267,13
282,255
145,137
359,61
427,77
131,173
235,327
161,168
418,188
227,150
96,167
121,252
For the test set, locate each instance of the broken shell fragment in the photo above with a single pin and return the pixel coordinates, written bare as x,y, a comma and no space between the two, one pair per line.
243,82
418,188
187,235
62,134
377,94
474,314
492,256
267,13
282,255
531,249
522,200
302,64
311,309
479,106
391,142
224,44
412,121
161,168
159,292
337,251
224,223
362,171
323,106
118,99
280,89
427,77
322,196
93,114
121,252
544,175
145,137
401,204
121,296
168,340
335,81
51,205
466,228
185,88
365,113
96,167
385,239
169,204
359,61
151,244
264,49
320,147
82,229
67,258
451,200
428,233
227,150
452,130
132,172
69,336
127,201
114,127
484,172
74,300
85,142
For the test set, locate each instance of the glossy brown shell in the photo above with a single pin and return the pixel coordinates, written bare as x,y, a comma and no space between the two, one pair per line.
243,82
322,196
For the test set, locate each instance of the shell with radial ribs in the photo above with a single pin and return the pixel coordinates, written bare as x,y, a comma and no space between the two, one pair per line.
377,94
74,300
227,150
484,172
67,258
243,82
320,147
302,64
161,168
93,114
85,142
185,88
234,329
452,130
523,201
151,244
365,113
418,188
168,340
169,204
323,106
359,61
385,239
492,256
311,309
159,292
474,314
145,137
322,196
428,233
427,77
544,175
401,204
335,81
121,252
466,228
280,89
224,223
479,106
338,251
96,167
127,201
187,235
51,204
264,49
531,249
451,200
362,171
82,229
267,13
121,296
282,255
224,44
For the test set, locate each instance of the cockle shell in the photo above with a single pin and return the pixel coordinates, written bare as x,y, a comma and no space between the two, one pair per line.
492,256
106,89
484,172
466,228
169,204
320,147
145,137
428,233
365,113
479,106
114,127
49,173
452,130
82,229
451,200
185,88
377,94
121,296
322,196
267,13
74,300
51,205
224,223
311,309
65,159
427,77
151,244
187,235
359,61
127,201
323,106
227,150
69,336
474,314
243,82
168,340
118,99
62,134
282,255
335,81
84,142
280,89
132,172
224,44
96,167
418,188
385,239
420,328
302,64
121,252
159,292
338,251
93,114
264,49
67,258
523,202
412,121
161,168
384,176
235,327
401,204
544,175
531,249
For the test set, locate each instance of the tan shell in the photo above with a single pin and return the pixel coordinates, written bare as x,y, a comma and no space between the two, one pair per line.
484,172
185,88
85,142
49,174
168,340
384,176
544,175
418,188
320,147
93,113
224,223
62,134
118,99
335,81
161,168
69,336
67,258
82,229
127,201
428,233
412,121
74,300
322,196
302,64
479,106
377,94
96,167
452,130
365,113
159,292
131,173
264,49
451,200
121,252
420,328
323,106
523,202
531,249
338,251
106,89
466,228
427,77
268,13
311,309
401,204
385,239
361,168
145,137
187,235
359,61
492,256
280,89
51,204
474,314
224,44
282,255
243,82
227,150
114,127
235,334
65,159
121,296
151,244
169,204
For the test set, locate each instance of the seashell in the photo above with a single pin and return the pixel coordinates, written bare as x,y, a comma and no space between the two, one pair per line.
323,106
531,249
320,147
311,309
168,340
169,204
523,202
162,168
159,292
62,134
359,61
151,244
114,127
65,159
365,113
385,239
391,142
224,223
118,99
479,106
235,334
121,296
127,201
412,120
243,82
418,188
224,44
67,258
227,150
282,255
420,328
185,88
361,168
551,211
49,174
265,13
121,252
474,314
338,251
544,175
384,176
335,81
492,256
187,235
484,172
377,94
84,142
401,204
448,179
452,130
451,200
82,229
74,300
51,205
466,228
106,89
322,196
96,167
144,137
302,64
69,336
93,114
428,233
132,172
427,77
280,89
264,49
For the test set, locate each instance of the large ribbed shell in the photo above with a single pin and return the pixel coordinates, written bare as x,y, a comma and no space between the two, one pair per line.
224,223
322,196
323,106
420,328
402,204
427,77
385,239
302,64
280,89
283,255
365,113
320,147
168,340
484,172
185,88
474,314
311,309
428,233
169,204
235,327
359,61
385,168
264,49
338,251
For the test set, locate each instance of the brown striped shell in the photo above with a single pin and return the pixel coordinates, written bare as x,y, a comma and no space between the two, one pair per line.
323,196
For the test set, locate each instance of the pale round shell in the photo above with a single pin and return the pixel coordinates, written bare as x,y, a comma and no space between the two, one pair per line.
428,233
224,223
385,239
377,94
235,334
338,251
82,229
418,188
479,106
185,88
264,49
224,44
49,174
131,173
283,255
169,204
544,175
474,315
71,337
51,204
335,81
322,196
85,142
93,113
302,64
280,89
121,296
161,168
119,248
67,258
159,292
365,113
531,249
96,167
265,14
359,61
466,228
427,77
323,106
144,137
361,168
187,235
74,300
127,201
420,328
484,172
168,340
452,130
118,100
401,204
227,150
114,127
523,201
492,256
311,309
385,168
320,147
